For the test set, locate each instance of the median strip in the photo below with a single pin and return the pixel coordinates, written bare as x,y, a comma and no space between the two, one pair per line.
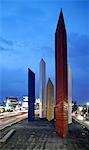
8,135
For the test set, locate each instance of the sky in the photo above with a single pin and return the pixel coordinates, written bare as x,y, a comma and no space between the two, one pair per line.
27,34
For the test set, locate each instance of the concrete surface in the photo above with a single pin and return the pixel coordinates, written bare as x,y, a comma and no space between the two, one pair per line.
41,135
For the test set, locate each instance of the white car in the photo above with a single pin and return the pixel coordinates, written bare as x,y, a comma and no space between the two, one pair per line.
2,109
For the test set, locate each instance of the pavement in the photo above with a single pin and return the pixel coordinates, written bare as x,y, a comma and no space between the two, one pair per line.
41,135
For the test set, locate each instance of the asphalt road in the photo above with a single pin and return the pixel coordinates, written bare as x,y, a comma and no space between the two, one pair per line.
82,122
11,117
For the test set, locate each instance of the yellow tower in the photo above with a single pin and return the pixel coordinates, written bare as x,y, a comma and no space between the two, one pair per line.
50,100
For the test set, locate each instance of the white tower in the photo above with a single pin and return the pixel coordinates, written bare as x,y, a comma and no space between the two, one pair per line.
69,95
42,89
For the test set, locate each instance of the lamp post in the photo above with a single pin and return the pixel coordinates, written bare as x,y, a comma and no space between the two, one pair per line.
87,107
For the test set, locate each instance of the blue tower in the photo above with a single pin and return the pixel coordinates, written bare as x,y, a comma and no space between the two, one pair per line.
31,95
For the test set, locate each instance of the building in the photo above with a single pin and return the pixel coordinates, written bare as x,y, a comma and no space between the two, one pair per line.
69,95
50,100
37,107
43,88
25,102
31,95
11,103
61,110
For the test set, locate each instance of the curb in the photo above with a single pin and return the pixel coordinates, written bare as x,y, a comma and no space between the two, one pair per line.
8,135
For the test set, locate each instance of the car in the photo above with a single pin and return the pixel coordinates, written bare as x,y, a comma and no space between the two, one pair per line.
2,109
9,109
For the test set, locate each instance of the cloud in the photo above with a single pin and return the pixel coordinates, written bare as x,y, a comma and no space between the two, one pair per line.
8,49
3,49
7,42
6,45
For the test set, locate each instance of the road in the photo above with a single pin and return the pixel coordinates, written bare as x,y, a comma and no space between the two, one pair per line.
82,121
8,118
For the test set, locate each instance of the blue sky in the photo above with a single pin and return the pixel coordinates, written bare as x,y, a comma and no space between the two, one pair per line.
27,33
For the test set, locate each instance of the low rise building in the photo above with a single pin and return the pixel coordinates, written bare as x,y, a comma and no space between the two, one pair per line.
11,103
25,102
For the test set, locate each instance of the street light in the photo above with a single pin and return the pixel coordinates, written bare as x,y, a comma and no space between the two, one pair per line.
87,107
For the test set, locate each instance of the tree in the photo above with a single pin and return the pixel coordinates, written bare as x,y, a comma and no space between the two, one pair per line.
74,107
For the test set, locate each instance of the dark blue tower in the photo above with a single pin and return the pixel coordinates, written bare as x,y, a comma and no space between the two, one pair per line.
31,95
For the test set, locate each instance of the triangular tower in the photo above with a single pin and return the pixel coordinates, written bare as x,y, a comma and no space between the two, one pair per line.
50,100
61,23
42,89
61,111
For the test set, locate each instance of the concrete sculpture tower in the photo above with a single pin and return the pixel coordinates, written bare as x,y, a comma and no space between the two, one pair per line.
31,95
50,100
69,95
42,89
61,111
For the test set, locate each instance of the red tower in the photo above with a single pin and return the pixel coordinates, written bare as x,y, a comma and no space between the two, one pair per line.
61,111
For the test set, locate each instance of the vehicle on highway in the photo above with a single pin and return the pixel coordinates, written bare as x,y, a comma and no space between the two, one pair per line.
9,108
2,109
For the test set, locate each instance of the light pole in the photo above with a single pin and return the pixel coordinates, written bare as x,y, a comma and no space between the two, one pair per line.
87,107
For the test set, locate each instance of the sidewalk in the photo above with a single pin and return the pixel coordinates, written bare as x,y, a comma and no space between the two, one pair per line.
41,135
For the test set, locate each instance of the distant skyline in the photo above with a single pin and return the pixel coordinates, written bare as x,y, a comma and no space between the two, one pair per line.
27,34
